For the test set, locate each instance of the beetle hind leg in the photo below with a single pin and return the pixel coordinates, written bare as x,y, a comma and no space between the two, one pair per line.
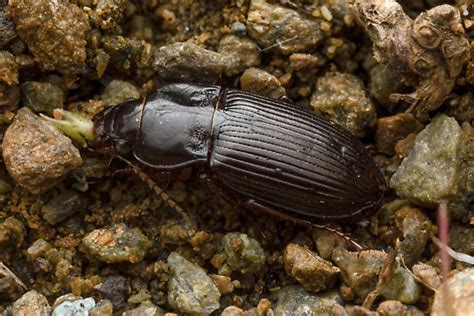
254,205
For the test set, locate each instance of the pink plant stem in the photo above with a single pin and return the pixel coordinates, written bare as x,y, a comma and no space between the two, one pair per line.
445,264
443,224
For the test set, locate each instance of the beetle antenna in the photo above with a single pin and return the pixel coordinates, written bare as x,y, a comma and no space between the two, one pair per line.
159,191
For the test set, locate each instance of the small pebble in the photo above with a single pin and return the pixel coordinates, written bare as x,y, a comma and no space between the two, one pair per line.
285,29
404,146
360,270
294,300
11,287
68,297
264,307
36,154
124,53
118,243
7,29
416,230
12,233
383,82
187,62
31,303
326,242
142,27
261,82
80,307
402,287
461,108
396,308
240,53
233,311
63,206
103,308
303,62
114,289
223,283
9,97
38,249
239,28
311,271
190,289
355,310
429,174
142,296
41,96
461,291
118,91
146,308
427,274
108,14
341,97
461,238
391,129
174,234
55,34
243,254
5,187
8,68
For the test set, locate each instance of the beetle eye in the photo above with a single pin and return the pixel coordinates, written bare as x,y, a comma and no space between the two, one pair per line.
122,147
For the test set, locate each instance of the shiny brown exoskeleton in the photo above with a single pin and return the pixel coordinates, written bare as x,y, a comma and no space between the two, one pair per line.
268,153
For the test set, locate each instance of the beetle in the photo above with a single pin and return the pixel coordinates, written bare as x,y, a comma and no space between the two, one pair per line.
268,153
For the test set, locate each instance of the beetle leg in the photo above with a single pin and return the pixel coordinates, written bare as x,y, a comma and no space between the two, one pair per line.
231,199
254,205
219,191
160,192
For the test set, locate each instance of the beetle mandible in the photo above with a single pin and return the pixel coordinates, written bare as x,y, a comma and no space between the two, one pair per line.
272,155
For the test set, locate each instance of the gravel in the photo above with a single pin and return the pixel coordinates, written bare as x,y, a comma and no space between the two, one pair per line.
342,98
294,300
430,173
311,271
187,62
118,91
37,155
261,82
31,303
190,289
360,271
455,296
55,34
80,307
119,243
272,25
41,96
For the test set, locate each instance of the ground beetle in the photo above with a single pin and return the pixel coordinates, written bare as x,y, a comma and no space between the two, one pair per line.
267,153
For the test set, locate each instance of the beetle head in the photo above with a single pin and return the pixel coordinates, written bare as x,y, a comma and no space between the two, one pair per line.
115,129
